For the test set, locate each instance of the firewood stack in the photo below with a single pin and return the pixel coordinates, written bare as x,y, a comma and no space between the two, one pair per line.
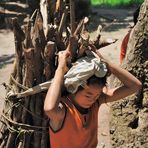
23,122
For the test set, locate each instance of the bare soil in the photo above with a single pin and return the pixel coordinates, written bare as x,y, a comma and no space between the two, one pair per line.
116,21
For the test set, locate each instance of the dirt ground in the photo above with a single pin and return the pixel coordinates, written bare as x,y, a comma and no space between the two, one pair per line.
117,29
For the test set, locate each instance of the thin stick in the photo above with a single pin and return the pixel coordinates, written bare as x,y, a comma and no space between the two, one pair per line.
72,16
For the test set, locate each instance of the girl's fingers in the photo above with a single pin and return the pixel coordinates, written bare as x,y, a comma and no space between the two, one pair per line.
65,52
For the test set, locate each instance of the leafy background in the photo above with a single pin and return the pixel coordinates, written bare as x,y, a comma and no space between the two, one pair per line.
116,2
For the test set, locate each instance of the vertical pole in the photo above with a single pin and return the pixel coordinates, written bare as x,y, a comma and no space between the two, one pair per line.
72,16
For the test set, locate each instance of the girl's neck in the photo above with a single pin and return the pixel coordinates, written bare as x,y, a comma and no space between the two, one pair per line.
78,107
81,109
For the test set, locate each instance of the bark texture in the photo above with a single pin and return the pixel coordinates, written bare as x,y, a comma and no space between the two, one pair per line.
129,116
23,121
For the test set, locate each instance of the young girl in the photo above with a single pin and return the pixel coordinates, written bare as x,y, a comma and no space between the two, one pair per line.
73,118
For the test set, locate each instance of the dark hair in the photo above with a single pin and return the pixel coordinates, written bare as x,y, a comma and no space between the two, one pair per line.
92,80
96,80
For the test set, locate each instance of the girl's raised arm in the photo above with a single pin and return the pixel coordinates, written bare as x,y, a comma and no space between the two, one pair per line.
51,104
130,83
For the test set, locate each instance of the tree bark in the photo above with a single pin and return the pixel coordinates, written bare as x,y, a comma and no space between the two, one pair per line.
129,116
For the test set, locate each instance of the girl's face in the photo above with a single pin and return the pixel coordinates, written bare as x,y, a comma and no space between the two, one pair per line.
86,97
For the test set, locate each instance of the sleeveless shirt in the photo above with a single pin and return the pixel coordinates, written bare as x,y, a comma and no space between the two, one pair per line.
78,130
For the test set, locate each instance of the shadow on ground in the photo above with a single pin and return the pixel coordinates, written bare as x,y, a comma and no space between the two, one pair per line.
112,19
6,59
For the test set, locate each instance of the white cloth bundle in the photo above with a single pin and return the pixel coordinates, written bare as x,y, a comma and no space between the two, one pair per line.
82,70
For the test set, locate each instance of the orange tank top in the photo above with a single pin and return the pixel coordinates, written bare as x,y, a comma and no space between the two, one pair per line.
78,131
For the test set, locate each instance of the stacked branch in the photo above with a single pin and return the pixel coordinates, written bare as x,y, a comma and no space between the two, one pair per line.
23,122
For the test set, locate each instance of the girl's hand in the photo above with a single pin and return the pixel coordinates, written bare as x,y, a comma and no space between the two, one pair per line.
62,60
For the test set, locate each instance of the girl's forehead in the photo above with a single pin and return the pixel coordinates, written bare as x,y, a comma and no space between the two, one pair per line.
93,88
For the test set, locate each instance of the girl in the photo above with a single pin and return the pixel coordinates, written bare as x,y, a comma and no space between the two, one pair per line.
73,118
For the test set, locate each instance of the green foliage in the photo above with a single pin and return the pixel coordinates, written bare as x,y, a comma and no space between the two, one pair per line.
116,2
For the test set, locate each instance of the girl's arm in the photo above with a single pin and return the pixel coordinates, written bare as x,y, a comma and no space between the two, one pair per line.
130,83
51,104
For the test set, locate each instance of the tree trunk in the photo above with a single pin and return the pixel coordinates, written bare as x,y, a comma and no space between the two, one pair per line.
129,117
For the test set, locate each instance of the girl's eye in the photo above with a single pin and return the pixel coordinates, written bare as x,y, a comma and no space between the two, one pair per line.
88,96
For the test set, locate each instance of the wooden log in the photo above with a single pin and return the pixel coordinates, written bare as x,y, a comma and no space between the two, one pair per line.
21,142
13,73
49,60
18,37
85,25
36,105
100,42
28,81
27,41
4,135
79,27
4,129
34,90
51,11
62,22
27,139
28,73
11,139
72,48
60,4
45,134
72,16
44,12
